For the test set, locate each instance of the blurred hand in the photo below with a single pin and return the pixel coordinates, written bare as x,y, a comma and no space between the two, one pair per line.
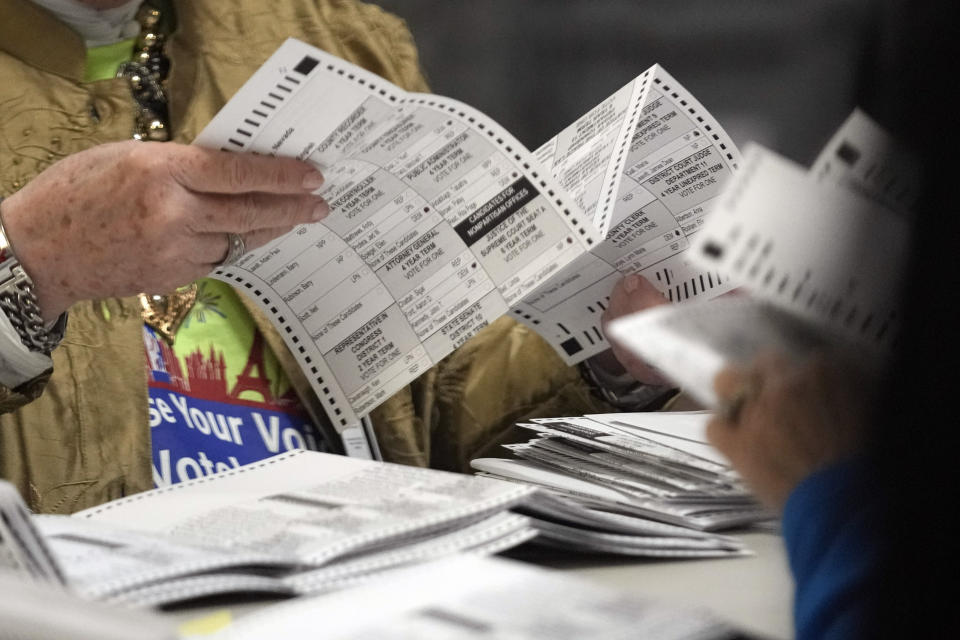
632,294
793,419
131,217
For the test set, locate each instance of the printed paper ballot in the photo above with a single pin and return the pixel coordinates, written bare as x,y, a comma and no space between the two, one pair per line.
693,343
299,523
441,221
641,484
820,255
646,165
823,251
863,157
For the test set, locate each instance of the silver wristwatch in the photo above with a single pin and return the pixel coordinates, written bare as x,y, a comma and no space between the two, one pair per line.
19,304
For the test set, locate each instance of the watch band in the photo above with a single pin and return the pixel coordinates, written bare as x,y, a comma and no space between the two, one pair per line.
19,303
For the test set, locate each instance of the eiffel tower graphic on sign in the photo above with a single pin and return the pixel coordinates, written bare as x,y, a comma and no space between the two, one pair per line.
247,381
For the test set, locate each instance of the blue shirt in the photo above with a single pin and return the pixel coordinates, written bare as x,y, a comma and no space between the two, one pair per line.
830,528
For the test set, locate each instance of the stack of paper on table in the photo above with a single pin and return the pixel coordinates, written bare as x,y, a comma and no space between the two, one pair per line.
307,522
644,484
299,523
462,596
470,597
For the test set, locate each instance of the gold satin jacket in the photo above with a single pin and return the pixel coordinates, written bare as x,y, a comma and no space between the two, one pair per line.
85,440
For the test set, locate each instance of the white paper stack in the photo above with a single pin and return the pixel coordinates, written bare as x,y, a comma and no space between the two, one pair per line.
644,484
479,597
299,523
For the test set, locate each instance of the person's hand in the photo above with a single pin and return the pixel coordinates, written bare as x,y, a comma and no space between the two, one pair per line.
632,294
131,217
780,420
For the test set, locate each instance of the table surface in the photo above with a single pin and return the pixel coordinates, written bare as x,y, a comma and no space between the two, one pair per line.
754,593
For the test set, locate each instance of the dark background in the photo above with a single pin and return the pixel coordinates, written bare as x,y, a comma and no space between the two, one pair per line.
780,73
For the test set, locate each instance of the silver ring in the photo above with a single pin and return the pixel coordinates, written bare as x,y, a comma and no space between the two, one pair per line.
236,247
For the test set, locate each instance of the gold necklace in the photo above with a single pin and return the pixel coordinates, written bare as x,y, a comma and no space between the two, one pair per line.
146,73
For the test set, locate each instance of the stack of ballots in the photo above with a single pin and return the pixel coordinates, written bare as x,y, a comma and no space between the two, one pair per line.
301,523
643,484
